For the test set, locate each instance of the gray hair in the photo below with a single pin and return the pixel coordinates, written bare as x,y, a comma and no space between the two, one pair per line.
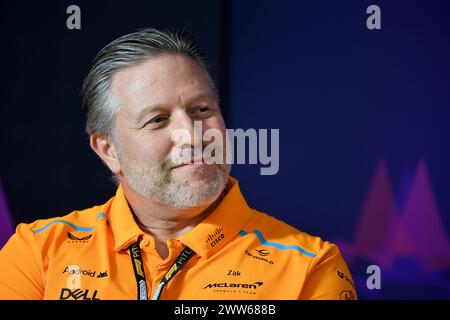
98,104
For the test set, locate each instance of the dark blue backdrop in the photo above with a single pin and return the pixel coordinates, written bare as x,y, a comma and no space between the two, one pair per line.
349,100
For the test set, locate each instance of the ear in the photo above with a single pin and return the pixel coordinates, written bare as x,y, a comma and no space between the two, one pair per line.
104,147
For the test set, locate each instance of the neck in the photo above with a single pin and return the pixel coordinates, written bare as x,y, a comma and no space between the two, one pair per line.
164,222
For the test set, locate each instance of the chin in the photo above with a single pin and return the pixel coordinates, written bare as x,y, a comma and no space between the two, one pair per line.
197,175
199,184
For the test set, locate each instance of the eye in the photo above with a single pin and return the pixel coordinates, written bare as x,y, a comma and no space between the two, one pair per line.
157,121
203,109
202,112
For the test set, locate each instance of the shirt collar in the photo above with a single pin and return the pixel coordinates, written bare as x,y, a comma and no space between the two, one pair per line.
124,227
222,225
209,236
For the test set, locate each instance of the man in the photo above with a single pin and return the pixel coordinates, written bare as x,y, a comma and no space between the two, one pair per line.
176,228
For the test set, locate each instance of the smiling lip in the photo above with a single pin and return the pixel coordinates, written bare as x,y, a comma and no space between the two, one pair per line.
195,163
189,165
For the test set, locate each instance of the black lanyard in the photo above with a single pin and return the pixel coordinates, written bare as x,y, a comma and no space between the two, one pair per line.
138,267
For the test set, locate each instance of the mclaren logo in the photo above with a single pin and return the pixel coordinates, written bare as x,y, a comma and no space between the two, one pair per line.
77,239
234,285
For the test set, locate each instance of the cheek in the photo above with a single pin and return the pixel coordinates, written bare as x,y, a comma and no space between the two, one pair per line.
154,148
215,123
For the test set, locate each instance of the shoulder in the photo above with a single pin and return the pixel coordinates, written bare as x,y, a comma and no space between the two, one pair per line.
281,235
78,221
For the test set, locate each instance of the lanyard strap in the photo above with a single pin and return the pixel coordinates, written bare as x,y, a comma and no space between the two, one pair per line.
138,267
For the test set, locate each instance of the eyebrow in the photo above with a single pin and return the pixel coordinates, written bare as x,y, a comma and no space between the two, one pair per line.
148,109
162,106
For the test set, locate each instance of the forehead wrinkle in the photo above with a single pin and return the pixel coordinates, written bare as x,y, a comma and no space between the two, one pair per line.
147,83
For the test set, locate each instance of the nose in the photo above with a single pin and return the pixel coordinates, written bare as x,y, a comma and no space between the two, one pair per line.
186,133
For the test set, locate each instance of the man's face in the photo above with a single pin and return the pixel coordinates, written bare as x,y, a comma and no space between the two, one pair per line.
155,98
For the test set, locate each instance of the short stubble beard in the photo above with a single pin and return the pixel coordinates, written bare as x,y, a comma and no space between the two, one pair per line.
155,181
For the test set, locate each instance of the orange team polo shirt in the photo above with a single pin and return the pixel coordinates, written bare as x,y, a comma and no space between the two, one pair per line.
240,254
